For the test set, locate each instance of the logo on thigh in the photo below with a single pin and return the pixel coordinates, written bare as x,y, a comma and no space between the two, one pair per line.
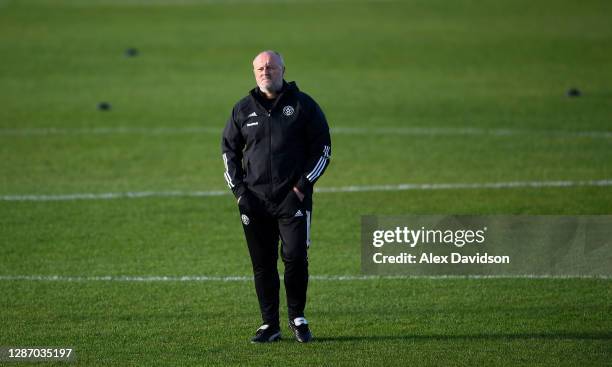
245,219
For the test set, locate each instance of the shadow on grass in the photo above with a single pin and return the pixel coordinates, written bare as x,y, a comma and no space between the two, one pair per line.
519,336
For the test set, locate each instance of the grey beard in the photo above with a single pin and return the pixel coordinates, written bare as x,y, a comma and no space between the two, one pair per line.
274,89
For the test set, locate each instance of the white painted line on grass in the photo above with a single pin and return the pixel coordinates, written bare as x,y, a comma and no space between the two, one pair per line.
455,186
364,188
435,131
239,278
390,130
108,130
113,195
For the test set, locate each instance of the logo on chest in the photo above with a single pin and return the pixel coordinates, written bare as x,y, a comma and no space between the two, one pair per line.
288,110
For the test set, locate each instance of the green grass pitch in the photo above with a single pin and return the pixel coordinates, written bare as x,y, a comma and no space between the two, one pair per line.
444,92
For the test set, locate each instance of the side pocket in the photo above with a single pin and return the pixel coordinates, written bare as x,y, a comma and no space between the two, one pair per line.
291,204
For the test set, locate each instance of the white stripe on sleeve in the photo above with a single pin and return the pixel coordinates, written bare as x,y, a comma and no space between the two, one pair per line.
321,163
230,184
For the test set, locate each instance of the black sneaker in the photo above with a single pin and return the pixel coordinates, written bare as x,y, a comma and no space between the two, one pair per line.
300,329
266,334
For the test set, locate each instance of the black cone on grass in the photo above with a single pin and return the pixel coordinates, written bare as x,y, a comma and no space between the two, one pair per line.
131,52
573,92
104,106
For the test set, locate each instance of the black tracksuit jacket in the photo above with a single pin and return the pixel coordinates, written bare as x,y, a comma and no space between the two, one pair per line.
268,151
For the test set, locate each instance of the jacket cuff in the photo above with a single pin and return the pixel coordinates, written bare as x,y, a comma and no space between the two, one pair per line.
239,190
304,185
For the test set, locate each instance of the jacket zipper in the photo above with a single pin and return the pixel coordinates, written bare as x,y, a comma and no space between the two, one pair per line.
269,125
272,185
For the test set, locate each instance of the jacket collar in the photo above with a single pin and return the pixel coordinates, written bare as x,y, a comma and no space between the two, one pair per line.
288,88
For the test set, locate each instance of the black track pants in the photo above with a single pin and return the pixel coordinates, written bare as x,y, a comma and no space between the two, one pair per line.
263,232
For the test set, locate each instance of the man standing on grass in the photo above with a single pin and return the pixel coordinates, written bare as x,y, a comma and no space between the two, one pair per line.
275,146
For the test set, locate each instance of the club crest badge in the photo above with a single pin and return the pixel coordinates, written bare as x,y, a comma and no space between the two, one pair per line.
245,219
288,110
